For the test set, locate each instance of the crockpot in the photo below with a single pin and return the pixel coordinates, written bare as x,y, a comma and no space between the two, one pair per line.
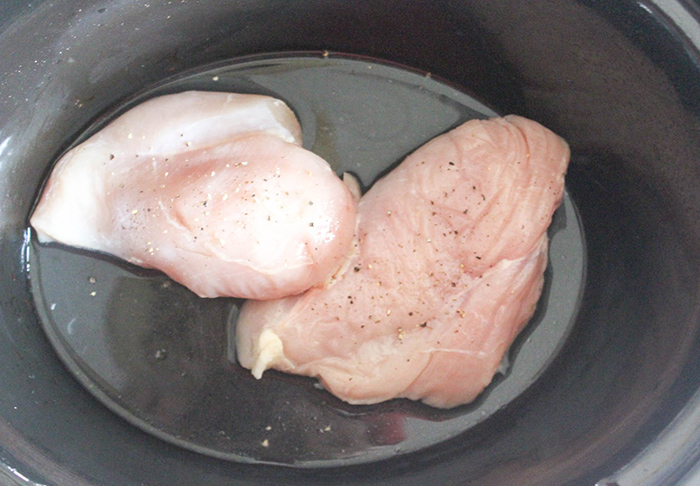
618,403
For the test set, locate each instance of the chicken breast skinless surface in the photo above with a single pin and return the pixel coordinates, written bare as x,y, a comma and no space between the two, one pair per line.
449,257
213,189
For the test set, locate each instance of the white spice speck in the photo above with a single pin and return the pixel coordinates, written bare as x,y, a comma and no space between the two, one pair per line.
265,443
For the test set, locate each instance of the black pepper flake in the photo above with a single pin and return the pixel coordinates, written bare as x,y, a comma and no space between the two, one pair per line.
357,269
111,156
424,324
451,163
478,258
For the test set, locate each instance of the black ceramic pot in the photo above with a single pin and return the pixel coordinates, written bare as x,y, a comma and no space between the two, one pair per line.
620,80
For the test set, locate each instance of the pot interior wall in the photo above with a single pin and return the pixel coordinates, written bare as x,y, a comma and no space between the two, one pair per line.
614,78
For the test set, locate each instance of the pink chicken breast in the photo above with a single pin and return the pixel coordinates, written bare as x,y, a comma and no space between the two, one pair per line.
449,257
213,189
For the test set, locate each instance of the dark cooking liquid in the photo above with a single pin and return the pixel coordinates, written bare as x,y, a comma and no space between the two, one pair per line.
163,358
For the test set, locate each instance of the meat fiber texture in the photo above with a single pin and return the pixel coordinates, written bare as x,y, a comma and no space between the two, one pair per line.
448,265
213,189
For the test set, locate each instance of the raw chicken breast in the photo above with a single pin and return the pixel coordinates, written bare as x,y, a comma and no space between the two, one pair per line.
449,258
211,188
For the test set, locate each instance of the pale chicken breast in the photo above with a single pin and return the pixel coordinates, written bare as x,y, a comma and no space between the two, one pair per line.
450,253
211,188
